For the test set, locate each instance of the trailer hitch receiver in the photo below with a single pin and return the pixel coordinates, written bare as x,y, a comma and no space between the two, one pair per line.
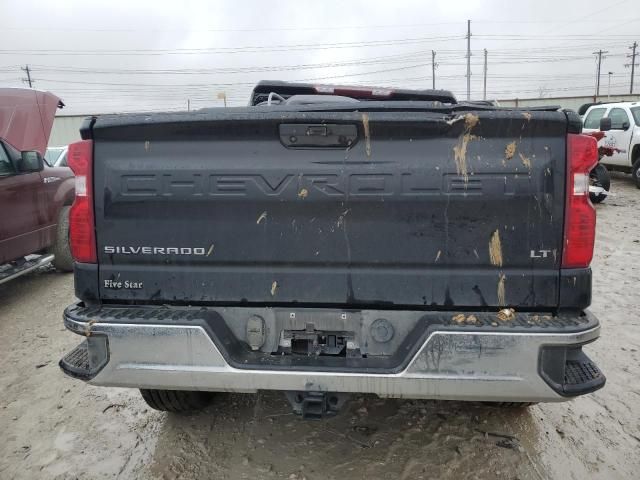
316,405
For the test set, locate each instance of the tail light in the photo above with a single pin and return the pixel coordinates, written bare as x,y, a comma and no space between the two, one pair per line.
82,237
580,216
354,92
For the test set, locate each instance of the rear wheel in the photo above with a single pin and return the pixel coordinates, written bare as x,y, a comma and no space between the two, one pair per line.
599,177
635,171
61,249
176,401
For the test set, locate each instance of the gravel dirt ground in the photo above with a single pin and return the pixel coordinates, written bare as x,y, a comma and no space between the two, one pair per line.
55,427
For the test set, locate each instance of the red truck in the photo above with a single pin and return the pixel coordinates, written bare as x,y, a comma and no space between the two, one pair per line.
34,196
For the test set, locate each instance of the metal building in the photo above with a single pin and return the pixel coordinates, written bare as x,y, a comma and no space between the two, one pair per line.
66,130
572,103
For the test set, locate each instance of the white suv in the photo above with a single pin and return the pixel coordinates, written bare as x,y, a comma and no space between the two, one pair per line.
624,135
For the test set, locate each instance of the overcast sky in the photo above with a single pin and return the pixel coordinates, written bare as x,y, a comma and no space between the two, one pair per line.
108,56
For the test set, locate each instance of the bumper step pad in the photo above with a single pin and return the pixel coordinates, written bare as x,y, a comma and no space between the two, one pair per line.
581,375
87,359
76,362
569,371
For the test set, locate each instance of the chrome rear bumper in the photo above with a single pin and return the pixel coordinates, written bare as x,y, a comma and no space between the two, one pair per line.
499,363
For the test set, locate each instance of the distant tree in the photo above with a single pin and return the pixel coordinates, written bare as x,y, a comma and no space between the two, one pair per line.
543,91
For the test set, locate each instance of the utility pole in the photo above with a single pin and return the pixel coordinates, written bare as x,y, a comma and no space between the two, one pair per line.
188,104
468,59
28,80
433,68
599,53
633,63
484,90
609,86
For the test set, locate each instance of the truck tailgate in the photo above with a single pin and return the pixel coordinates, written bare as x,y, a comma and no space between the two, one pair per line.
384,208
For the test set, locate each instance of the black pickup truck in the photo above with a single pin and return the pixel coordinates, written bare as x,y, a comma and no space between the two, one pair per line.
329,240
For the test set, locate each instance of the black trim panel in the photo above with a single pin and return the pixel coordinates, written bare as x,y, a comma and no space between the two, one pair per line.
575,288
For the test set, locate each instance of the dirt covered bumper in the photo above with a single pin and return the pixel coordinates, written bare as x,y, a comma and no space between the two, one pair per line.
523,357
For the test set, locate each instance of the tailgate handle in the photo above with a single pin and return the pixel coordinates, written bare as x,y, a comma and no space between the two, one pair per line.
317,130
305,135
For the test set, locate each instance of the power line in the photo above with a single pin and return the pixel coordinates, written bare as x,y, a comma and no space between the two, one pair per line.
300,47
633,63
502,52
203,91
28,80
468,59
209,85
243,69
233,83
505,59
283,68
599,53
484,92
433,68
229,50
537,37
246,29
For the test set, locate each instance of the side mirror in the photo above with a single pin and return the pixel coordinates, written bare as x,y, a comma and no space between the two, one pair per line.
625,125
605,124
30,161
